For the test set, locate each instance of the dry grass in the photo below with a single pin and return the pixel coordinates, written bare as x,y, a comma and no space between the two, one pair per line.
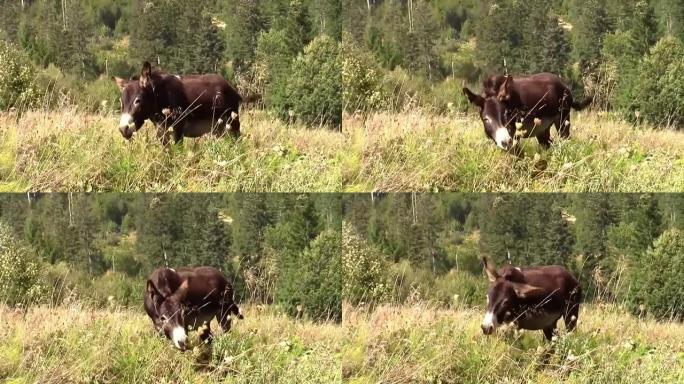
77,345
73,151
421,151
424,344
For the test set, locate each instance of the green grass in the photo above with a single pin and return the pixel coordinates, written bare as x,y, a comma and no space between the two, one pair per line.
412,151
420,151
77,345
424,344
72,151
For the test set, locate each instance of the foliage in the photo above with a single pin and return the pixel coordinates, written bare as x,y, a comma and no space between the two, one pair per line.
363,279
659,278
311,285
20,282
661,80
100,248
314,85
81,44
17,78
429,246
361,80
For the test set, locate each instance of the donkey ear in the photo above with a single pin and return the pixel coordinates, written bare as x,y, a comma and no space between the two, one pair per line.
145,74
121,83
524,291
473,98
490,269
505,90
182,291
152,290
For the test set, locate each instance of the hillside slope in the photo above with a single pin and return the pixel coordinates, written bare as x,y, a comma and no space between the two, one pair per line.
421,151
74,345
422,344
72,151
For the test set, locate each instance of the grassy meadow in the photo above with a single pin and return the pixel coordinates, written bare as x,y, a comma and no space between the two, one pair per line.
72,344
413,151
418,150
69,150
423,344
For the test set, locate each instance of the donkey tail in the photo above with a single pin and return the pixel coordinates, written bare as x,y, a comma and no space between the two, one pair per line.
583,104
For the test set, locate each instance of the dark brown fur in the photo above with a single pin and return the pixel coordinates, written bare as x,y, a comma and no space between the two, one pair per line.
179,103
533,297
536,101
189,297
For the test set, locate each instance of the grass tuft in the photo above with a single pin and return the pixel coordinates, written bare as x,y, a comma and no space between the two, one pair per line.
72,151
77,345
422,151
426,344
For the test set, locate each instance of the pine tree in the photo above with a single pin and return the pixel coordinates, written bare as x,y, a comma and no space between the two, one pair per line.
244,21
555,48
590,24
644,28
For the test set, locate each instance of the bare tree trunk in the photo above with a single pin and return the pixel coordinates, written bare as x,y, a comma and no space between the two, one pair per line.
410,11
64,14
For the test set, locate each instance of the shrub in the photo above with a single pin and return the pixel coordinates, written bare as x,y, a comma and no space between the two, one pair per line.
59,89
116,289
362,269
659,278
361,79
461,288
17,88
273,57
417,284
659,96
315,84
617,74
101,95
19,271
313,286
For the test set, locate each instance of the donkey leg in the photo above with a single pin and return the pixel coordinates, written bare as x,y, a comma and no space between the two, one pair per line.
563,125
544,139
572,309
206,336
548,332
234,124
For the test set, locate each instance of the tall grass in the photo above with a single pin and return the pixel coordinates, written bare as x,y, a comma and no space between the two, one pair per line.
418,150
422,343
73,344
69,150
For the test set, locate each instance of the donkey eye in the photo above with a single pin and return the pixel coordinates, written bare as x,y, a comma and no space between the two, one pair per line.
137,101
163,318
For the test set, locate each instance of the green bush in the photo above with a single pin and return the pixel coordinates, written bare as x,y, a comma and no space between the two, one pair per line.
361,79
617,74
659,96
315,85
101,95
451,289
115,289
362,269
313,287
659,278
273,57
461,288
17,76
19,271
59,89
